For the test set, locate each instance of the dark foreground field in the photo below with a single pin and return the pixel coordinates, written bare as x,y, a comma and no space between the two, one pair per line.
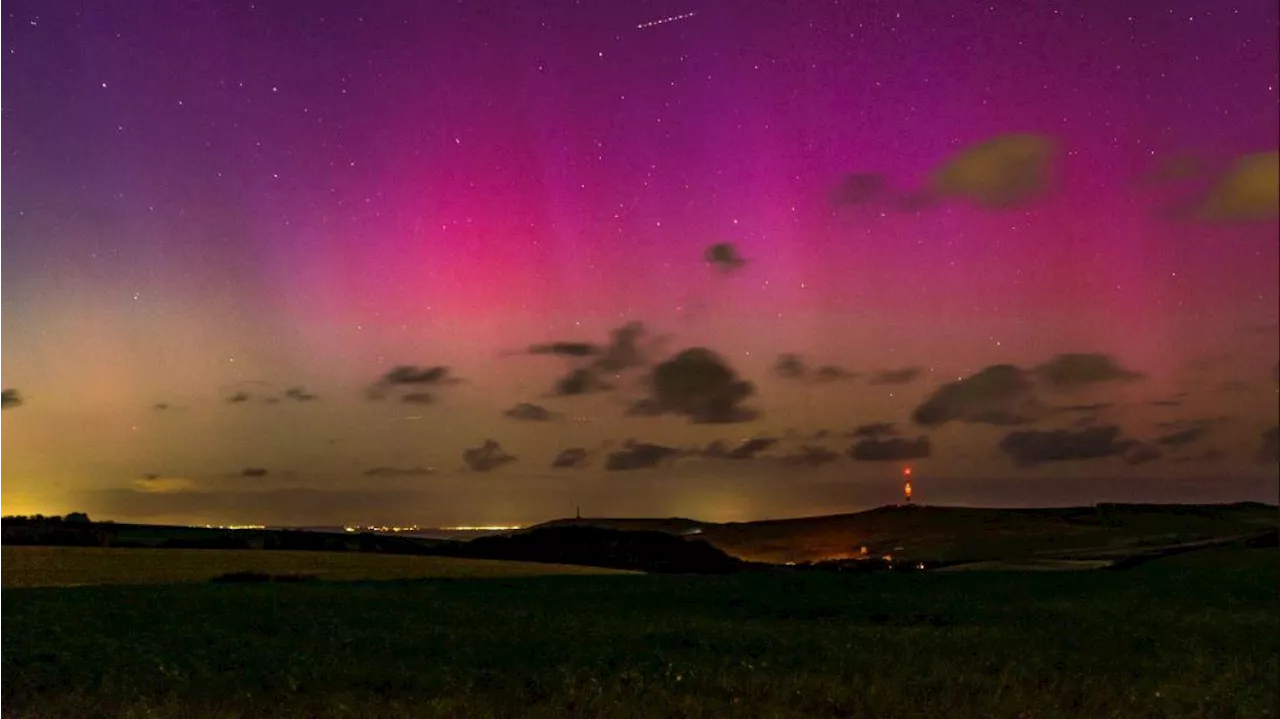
1190,636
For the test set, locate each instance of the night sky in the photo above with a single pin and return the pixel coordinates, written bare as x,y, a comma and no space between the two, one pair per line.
277,262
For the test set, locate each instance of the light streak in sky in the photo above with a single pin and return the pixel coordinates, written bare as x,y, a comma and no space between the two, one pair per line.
665,20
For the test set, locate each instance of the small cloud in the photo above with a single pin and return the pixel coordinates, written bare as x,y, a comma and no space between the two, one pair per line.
724,257
1206,457
811,456
1089,408
579,381
486,457
874,430
894,449
832,373
572,458
792,366
999,395
159,484
1080,369
418,398
1165,403
253,472
1003,172
566,349
1032,447
238,397
623,351
1140,453
394,472
299,394
528,412
1250,190
789,366
412,377
700,385
10,399
160,406
1183,437
896,376
639,455
747,449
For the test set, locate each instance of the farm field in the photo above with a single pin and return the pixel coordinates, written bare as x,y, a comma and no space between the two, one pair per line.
73,566
1193,635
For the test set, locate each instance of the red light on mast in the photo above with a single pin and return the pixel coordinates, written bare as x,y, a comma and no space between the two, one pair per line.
906,472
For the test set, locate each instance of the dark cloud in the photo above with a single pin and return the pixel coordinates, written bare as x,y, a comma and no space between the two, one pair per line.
623,351
894,449
698,384
418,398
792,366
811,456
874,430
1031,447
395,472
1183,437
639,455
238,397
412,378
1165,403
10,399
1269,450
832,373
1140,453
1091,408
896,376
1250,190
1080,369
789,366
724,257
572,458
1205,457
253,472
999,395
858,188
299,394
1005,171
160,406
528,412
566,349
486,457
747,449
579,381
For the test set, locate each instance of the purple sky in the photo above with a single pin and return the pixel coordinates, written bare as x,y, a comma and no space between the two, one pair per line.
208,200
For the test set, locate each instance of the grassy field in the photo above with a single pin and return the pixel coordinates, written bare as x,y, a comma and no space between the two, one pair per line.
72,566
1195,635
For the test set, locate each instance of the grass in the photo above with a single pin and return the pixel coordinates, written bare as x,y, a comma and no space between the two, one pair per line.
72,566
1189,636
